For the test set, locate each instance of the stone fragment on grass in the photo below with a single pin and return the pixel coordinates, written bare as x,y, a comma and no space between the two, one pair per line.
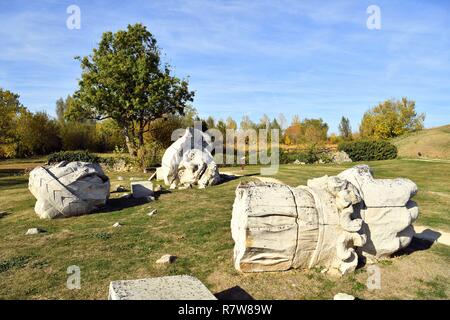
339,157
120,178
33,231
68,189
153,212
166,259
142,189
327,224
343,296
182,287
117,224
188,161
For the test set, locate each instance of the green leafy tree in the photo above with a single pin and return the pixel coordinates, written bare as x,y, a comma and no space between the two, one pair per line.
210,122
247,123
345,129
10,110
124,79
390,119
62,106
37,134
222,127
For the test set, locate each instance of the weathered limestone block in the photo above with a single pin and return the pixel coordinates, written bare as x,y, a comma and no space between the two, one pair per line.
188,162
265,237
163,288
160,173
142,189
326,223
387,211
68,189
340,157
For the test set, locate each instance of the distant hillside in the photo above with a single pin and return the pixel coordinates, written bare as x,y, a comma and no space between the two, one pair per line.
431,143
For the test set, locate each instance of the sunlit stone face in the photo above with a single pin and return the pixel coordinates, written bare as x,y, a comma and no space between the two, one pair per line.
331,222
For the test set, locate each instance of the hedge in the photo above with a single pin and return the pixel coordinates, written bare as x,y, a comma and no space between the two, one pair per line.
367,150
82,156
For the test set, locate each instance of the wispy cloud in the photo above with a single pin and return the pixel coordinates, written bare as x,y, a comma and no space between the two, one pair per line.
316,59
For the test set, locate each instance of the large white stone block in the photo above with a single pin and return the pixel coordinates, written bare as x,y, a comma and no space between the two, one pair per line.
68,189
326,223
142,189
188,161
163,288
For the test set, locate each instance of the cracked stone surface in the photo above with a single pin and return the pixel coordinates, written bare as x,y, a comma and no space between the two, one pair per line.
182,287
188,162
68,189
327,223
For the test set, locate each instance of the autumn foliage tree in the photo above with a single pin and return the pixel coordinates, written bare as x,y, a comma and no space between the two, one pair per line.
390,119
306,131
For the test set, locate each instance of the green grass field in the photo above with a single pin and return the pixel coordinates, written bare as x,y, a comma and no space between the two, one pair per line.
195,226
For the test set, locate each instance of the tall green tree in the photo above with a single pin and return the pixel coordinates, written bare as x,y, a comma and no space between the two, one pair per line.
62,107
124,79
390,119
37,134
345,129
210,122
10,110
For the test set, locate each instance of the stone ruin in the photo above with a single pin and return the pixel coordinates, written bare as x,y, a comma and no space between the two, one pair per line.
188,162
68,189
329,223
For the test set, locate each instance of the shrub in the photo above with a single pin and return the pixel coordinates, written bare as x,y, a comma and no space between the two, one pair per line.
83,156
367,150
78,136
37,134
312,155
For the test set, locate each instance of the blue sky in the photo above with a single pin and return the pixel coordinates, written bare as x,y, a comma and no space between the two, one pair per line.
311,58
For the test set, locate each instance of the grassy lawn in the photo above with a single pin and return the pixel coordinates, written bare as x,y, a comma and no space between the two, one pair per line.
194,225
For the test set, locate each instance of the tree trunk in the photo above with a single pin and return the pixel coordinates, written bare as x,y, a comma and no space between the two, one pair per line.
130,146
130,142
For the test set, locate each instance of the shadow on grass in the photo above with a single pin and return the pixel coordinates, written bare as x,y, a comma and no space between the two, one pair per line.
234,293
4,214
415,245
12,182
224,178
119,204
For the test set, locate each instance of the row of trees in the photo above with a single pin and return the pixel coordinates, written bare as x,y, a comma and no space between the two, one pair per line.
128,98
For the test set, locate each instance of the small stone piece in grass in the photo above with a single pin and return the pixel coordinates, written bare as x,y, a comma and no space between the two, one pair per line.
33,231
166,259
343,296
117,224
324,270
153,212
121,189
120,178
152,176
